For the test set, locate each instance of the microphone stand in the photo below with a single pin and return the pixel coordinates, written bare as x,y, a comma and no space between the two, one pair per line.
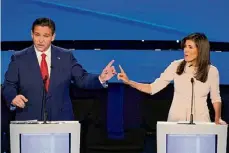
44,110
191,115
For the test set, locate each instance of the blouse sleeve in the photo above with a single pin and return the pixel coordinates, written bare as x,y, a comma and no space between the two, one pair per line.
165,78
214,85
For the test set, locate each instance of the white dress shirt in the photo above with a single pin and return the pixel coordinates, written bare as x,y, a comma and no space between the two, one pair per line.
48,57
181,105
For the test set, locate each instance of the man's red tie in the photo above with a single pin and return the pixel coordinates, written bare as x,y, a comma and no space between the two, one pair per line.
44,71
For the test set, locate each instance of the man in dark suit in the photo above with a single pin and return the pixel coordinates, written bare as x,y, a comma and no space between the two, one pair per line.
45,67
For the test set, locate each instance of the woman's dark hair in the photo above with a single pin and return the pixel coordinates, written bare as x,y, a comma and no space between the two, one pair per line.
44,22
203,58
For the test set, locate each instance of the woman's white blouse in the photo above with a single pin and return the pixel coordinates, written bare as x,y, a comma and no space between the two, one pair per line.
181,104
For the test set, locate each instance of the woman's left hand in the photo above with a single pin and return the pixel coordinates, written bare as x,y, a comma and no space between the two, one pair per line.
220,121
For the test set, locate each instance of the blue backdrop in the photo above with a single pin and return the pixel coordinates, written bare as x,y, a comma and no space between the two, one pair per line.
118,19
140,65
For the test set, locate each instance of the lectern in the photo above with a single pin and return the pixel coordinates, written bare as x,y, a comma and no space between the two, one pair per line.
36,137
173,137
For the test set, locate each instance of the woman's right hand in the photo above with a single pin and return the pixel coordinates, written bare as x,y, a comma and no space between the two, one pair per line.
139,86
122,76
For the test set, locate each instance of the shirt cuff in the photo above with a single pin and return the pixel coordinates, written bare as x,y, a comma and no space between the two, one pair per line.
104,84
12,107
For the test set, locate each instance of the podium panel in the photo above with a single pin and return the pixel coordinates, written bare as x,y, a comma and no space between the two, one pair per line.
52,142
54,137
173,137
178,143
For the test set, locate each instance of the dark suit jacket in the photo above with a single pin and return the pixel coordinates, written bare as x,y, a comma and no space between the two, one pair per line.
24,77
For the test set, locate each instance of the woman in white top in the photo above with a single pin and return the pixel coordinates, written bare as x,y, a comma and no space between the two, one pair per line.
196,64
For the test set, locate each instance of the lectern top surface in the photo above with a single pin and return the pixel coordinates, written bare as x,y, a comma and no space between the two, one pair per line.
196,123
41,122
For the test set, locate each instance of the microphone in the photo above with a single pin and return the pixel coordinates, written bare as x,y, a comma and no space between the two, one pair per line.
44,110
191,115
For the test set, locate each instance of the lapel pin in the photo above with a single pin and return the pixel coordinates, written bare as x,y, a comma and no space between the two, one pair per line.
58,58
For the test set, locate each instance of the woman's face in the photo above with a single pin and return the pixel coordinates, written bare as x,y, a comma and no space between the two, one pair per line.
190,52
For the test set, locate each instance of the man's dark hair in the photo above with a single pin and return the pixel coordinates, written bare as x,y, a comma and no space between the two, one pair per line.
44,22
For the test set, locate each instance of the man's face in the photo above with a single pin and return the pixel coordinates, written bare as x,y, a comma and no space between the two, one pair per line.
42,37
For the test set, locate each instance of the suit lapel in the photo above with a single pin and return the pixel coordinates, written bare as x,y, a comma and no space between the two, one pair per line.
34,67
55,59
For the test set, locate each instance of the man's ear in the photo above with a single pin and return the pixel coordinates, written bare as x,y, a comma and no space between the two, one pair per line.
53,36
32,34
